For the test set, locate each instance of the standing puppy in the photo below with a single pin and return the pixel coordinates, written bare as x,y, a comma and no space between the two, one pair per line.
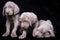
43,29
11,10
26,19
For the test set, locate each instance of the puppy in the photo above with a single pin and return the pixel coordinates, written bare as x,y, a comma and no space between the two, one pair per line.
11,10
26,19
43,29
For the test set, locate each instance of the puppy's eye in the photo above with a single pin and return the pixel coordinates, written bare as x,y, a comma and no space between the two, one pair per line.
48,32
39,31
25,21
9,6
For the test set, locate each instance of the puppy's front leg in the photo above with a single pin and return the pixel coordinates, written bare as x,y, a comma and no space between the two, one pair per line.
34,31
7,28
13,34
23,35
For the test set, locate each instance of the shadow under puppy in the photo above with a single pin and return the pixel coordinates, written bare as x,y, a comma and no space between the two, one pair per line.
26,20
43,29
11,10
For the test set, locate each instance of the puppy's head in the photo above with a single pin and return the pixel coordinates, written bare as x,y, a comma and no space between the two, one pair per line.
37,33
24,22
44,30
8,10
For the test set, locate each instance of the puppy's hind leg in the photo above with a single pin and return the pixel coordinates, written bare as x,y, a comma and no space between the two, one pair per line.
7,29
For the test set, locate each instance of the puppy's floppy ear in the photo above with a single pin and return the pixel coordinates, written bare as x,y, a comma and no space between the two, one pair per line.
29,21
37,24
16,9
52,33
3,13
49,21
41,20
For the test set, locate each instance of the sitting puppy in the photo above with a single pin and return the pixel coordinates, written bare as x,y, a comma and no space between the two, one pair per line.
11,10
43,29
27,19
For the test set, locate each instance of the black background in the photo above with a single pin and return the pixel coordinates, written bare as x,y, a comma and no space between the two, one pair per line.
44,9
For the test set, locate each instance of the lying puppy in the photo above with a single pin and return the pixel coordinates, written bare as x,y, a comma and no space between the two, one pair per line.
43,29
27,19
11,10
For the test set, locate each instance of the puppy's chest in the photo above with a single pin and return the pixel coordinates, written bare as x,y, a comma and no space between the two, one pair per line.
11,18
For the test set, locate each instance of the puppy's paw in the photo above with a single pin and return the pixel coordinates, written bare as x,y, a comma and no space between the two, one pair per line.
22,37
5,34
13,35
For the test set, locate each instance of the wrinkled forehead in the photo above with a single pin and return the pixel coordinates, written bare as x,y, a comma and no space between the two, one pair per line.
44,25
23,19
8,6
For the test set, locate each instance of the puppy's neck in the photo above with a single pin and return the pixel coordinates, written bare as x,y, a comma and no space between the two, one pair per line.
10,18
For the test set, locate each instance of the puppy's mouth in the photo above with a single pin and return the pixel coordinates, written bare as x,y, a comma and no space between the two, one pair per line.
9,15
